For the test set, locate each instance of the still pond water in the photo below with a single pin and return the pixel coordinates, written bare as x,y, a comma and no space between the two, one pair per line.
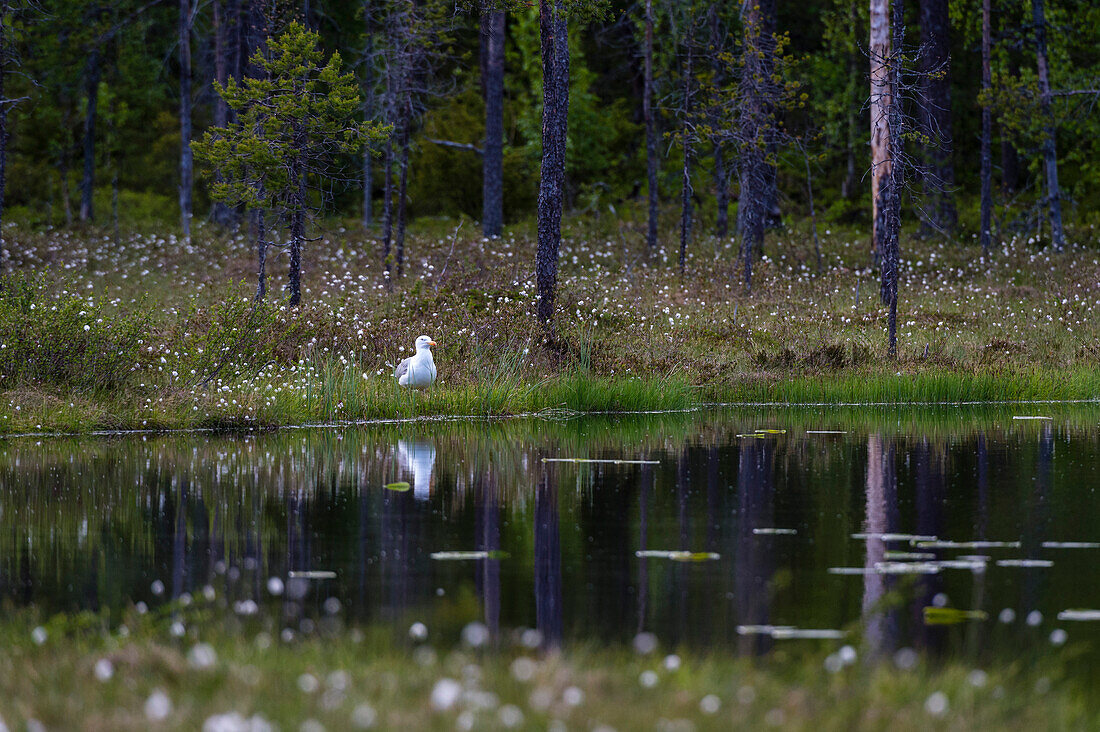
732,530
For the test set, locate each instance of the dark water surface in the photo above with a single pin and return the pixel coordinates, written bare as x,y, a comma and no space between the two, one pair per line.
102,523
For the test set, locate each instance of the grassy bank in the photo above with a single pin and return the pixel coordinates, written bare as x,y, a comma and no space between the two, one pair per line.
152,332
171,671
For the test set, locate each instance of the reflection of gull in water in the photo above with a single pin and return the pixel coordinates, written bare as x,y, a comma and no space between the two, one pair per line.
417,458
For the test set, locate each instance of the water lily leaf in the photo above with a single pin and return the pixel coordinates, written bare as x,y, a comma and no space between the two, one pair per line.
1079,614
399,487
951,615
461,556
678,556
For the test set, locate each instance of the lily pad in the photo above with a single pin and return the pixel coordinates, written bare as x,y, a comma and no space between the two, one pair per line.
678,556
461,556
1079,614
951,615
399,487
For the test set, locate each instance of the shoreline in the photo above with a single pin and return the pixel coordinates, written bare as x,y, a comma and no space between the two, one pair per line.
647,396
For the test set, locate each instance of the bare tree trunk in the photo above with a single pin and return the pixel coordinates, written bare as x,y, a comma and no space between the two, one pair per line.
93,68
402,190
4,51
721,193
879,51
855,103
368,114
890,256
987,133
112,165
721,181
492,161
650,132
297,237
688,143
753,200
224,30
554,42
259,236
387,209
186,161
935,115
1050,153
768,25
813,212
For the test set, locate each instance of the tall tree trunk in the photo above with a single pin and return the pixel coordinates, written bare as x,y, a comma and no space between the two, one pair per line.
368,114
855,104
752,205
892,240
186,161
935,116
224,43
492,161
402,190
554,42
987,132
297,237
768,26
93,68
879,51
650,131
688,143
721,181
4,51
1050,153
259,236
721,192
387,210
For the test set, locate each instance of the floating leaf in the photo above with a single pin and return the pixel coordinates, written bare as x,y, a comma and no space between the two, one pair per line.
312,574
906,568
1024,563
776,532
772,432
1071,545
975,565
754,434
907,556
593,460
941,544
851,570
1030,417
761,629
894,537
1079,614
826,432
951,615
782,633
678,556
460,556
399,487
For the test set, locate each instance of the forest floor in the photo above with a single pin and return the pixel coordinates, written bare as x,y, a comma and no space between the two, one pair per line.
185,668
151,332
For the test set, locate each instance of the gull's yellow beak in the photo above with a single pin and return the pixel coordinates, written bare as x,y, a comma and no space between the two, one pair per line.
431,343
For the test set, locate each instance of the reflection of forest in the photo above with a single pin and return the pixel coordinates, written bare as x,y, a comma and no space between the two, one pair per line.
102,523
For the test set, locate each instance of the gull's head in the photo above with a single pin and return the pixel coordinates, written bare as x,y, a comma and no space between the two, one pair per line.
424,342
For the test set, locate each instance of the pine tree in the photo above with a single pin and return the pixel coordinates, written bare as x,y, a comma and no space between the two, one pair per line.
290,125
